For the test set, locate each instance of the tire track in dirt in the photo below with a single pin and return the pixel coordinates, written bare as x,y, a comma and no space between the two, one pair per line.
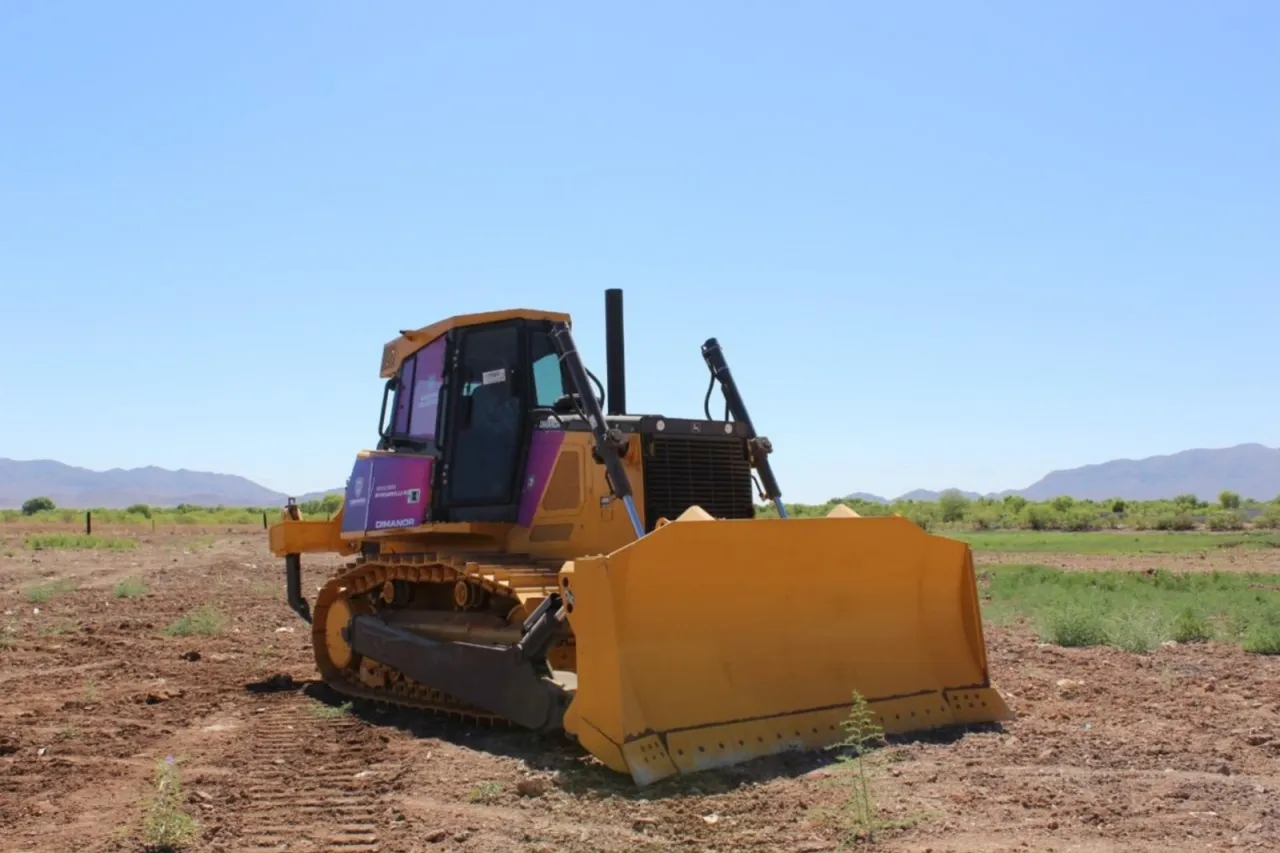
331,804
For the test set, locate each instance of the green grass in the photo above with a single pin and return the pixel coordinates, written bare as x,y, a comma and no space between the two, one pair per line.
53,541
1061,542
129,588
1136,611
44,592
206,621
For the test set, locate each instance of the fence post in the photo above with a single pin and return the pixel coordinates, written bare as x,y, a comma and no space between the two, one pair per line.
88,523
264,519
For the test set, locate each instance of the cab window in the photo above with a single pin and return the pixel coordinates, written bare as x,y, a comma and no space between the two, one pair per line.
548,379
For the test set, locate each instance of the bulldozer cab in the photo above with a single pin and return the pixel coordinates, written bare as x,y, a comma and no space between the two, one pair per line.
470,399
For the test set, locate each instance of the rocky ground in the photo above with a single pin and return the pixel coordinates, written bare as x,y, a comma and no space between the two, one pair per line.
1174,750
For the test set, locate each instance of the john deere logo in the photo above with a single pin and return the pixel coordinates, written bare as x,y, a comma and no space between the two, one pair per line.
415,495
359,486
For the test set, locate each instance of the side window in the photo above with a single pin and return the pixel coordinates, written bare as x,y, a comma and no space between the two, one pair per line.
427,382
548,380
404,396
418,397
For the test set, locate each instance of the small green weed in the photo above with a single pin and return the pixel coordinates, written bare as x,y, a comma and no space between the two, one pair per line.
206,621
329,712
1135,630
485,792
863,735
1189,627
69,732
48,591
8,638
168,827
80,542
129,588
55,629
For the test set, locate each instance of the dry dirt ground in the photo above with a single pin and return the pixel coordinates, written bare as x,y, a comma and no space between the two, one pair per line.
1174,750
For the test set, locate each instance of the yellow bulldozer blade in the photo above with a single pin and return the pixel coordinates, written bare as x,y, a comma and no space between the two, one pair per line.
710,642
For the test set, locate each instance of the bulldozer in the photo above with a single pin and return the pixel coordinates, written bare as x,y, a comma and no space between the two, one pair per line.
523,551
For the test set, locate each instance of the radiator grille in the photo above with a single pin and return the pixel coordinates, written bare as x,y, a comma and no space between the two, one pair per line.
710,471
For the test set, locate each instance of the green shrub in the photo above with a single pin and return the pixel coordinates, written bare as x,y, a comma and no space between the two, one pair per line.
1269,518
985,518
35,505
139,509
1039,517
1079,519
1175,521
1224,521
1073,626
952,505
1262,639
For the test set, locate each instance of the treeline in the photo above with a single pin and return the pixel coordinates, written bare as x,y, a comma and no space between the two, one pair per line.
954,511
44,509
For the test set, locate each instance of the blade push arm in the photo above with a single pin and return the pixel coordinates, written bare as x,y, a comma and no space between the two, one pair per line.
758,445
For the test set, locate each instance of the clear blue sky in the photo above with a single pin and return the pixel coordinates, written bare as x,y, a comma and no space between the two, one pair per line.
942,244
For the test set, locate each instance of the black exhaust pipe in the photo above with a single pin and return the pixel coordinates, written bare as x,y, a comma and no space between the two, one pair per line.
615,353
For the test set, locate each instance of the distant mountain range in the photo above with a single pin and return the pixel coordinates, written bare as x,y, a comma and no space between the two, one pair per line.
1251,470
120,487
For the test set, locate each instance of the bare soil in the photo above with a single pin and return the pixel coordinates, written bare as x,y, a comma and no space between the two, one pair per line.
1174,750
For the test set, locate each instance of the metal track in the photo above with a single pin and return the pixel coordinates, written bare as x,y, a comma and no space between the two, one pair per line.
520,579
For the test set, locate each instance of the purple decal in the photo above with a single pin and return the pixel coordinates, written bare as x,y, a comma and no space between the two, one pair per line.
543,452
387,492
355,506
426,390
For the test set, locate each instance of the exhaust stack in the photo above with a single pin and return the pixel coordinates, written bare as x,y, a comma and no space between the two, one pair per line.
615,353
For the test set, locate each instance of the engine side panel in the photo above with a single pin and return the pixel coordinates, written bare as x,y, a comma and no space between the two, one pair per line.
544,450
387,491
566,508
